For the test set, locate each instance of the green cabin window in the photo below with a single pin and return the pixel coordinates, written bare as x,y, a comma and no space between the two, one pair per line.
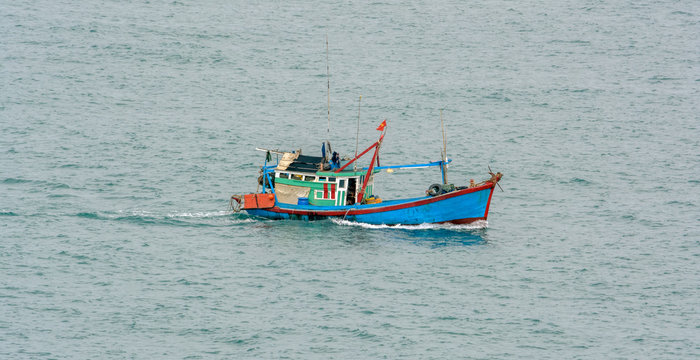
341,184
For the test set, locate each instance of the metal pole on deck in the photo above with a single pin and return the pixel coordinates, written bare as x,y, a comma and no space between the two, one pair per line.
328,77
444,151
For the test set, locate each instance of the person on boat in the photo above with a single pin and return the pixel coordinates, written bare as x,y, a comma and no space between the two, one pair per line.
335,161
350,198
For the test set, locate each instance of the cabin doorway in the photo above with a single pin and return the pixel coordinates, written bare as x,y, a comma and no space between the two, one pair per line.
352,190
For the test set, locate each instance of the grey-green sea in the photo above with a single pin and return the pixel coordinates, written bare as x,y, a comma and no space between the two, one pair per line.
125,127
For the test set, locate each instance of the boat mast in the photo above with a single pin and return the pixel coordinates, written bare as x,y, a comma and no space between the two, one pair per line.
328,77
443,167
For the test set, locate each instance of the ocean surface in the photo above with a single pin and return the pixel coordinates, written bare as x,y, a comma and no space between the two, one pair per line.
125,127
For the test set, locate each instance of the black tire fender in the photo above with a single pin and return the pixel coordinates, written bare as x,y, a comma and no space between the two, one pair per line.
435,189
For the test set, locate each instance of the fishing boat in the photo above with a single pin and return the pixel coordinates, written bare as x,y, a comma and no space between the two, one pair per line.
303,187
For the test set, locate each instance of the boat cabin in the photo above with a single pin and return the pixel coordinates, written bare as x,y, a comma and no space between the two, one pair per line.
300,177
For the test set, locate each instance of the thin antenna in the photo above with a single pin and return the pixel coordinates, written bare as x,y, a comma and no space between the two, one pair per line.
328,76
357,142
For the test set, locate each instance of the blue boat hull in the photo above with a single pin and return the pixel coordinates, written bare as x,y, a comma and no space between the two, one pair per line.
457,207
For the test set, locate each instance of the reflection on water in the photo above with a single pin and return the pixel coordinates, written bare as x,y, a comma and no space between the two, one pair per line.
434,235
448,237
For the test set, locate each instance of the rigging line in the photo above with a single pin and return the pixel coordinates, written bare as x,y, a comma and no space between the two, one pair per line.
346,213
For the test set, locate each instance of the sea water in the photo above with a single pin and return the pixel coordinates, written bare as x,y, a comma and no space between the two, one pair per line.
125,127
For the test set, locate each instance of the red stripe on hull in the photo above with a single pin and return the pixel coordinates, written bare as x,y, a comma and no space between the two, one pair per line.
488,203
462,221
347,212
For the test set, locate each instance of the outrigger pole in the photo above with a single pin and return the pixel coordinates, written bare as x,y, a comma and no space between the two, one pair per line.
376,146
369,171
362,153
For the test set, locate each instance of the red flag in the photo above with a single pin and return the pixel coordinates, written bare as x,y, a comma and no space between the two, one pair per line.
382,126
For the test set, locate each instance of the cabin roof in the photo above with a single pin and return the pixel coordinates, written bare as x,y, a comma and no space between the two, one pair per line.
345,173
296,163
304,163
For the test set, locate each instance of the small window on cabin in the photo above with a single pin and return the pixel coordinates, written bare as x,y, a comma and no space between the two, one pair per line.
322,179
284,175
341,184
296,177
309,178
331,179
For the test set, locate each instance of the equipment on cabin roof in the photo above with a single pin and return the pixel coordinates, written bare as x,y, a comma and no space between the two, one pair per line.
305,163
294,162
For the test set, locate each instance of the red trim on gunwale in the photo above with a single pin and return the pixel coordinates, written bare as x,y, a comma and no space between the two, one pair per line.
387,208
488,203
